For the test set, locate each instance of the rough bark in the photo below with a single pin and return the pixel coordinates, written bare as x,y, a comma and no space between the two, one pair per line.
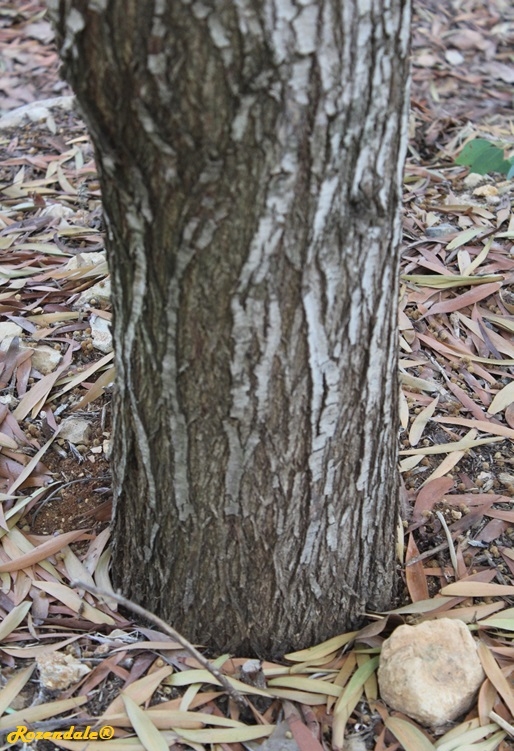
250,157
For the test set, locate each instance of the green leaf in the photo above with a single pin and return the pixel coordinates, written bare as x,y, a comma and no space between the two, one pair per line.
349,699
483,157
464,739
503,620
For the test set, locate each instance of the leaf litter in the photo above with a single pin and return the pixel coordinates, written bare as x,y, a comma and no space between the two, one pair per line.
456,409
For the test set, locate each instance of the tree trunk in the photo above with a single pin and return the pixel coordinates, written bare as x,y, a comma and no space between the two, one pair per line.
250,157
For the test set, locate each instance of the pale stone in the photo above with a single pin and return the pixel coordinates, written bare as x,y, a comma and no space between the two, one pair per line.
75,430
8,330
35,111
474,179
101,334
57,211
101,292
107,448
45,359
454,57
440,230
58,671
430,672
9,400
486,191
85,259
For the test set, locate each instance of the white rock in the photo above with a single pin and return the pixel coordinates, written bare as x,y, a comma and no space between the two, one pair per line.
58,671
75,430
85,259
101,292
454,57
35,111
440,230
101,334
486,191
8,330
57,210
107,448
431,672
474,179
9,400
45,359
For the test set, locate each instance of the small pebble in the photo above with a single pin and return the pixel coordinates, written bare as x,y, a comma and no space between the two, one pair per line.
474,179
441,230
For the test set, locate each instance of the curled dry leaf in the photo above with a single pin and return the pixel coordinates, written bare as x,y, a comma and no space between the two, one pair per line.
420,421
503,399
495,675
13,686
415,575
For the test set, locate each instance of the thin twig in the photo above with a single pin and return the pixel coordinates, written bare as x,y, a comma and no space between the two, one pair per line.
502,723
214,671
426,554
451,549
